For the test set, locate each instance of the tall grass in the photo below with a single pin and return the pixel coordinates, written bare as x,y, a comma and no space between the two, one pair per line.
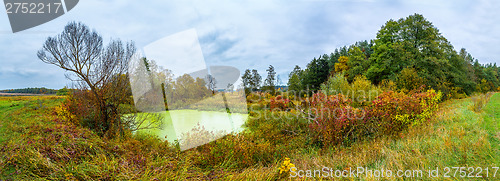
455,137
479,101
38,145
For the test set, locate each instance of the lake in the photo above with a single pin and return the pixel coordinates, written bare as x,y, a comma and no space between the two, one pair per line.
179,123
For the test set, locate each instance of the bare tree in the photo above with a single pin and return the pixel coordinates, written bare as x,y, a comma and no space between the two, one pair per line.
97,69
211,83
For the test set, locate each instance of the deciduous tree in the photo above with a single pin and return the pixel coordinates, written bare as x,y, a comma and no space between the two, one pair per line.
80,51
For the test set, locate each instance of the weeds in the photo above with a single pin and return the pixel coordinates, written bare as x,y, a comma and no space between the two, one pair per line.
41,144
479,101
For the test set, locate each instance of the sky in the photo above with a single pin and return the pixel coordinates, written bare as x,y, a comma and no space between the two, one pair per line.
247,34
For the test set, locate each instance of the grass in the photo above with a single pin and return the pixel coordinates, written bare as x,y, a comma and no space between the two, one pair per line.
36,145
457,137
16,113
479,101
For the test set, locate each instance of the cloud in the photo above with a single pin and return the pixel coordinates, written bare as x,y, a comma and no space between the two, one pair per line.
255,34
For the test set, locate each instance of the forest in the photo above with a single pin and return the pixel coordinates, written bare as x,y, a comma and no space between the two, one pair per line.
35,90
409,52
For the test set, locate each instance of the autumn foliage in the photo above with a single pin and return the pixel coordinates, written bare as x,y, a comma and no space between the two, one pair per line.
336,122
280,103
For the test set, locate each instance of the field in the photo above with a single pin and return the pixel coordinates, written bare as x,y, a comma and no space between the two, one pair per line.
35,144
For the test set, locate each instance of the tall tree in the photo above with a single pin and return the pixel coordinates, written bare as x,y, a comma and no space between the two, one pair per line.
269,83
416,43
315,74
342,64
81,51
357,63
294,79
246,79
211,83
256,80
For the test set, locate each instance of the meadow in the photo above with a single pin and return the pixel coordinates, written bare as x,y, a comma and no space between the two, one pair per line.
36,144
404,103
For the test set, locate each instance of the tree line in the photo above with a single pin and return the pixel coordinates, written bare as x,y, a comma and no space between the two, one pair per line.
34,90
177,93
410,52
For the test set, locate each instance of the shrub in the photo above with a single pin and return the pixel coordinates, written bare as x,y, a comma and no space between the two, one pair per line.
395,111
64,112
363,90
286,167
457,93
79,106
63,92
336,84
359,91
280,103
277,126
408,79
387,85
335,121
483,87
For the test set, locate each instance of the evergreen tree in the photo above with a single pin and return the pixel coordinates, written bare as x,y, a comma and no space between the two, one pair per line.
294,79
269,83
256,80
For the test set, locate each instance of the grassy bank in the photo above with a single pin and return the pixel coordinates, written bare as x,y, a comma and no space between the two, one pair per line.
456,137
36,144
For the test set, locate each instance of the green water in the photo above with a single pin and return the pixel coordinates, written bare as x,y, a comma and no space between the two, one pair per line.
179,122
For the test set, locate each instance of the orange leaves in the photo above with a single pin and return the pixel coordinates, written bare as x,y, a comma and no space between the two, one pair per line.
280,103
396,110
335,120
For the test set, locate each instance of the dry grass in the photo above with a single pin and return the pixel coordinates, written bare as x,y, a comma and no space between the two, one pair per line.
480,101
453,138
456,136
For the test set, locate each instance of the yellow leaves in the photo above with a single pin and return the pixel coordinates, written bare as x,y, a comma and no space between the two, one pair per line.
342,64
287,166
405,118
64,112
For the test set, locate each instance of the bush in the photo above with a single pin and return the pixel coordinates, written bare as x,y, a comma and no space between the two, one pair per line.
335,121
77,108
483,87
395,111
280,103
457,93
63,92
360,91
363,90
336,84
478,102
408,79
387,85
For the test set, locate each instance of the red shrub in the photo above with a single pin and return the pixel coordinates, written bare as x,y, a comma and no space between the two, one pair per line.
335,121
280,103
395,111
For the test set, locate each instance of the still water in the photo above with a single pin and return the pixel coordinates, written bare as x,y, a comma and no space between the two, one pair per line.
176,123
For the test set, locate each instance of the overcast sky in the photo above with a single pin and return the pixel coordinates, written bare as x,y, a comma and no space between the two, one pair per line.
252,34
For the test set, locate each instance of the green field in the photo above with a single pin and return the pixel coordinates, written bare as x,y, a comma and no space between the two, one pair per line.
36,145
